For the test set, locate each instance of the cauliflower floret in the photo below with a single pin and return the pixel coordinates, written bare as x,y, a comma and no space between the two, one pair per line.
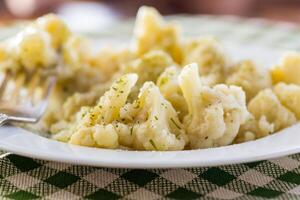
7,62
155,122
266,104
108,108
103,136
254,129
84,137
149,66
265,128
35,46
63,130
245,137
151,33
251,78
288,70
215,114
73,103
289,95
268,114
77,69
209,56
93,126
55,27
109,60
76,52
125,133
62,135
32,47
169,87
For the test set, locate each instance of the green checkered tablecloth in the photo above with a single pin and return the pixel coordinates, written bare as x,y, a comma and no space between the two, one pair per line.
26,178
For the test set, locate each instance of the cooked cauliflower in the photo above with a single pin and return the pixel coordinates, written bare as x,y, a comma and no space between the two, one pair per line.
35,46
7,61
268,114
108,61
288,70
169,87
141,97
57,29
73,103
148,66
215,114
266,104
108,108
76,52
32,48
99,135
209,56
75,68
62,130
254,129
251,78
93,126
152,33
155,122
289,95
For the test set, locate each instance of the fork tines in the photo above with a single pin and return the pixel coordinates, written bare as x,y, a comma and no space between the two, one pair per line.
22,94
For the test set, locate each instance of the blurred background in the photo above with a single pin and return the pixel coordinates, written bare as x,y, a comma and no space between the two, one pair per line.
87,14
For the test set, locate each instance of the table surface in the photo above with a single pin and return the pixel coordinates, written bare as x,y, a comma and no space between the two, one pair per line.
26,178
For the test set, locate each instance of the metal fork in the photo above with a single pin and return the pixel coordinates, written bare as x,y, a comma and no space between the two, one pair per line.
26,107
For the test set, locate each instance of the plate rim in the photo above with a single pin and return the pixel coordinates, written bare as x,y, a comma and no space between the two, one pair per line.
160,160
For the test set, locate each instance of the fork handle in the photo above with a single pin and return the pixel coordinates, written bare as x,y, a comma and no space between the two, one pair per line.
6,118
3,118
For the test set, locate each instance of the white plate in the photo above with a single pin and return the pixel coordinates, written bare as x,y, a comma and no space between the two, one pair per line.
28,144
286,142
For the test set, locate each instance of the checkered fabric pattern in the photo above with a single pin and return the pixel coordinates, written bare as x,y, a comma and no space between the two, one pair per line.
26,178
